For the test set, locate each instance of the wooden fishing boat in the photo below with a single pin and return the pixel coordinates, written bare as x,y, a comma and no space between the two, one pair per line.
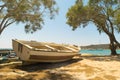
33,51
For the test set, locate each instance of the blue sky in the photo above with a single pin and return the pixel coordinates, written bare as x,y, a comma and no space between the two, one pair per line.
55,30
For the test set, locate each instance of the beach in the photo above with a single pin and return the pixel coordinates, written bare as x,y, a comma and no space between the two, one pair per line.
85,67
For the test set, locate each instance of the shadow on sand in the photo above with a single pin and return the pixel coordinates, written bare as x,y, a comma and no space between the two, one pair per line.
48,68
43,66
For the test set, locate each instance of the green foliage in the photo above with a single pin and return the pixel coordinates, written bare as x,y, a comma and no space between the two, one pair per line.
29,12
77,15
103,13
117,20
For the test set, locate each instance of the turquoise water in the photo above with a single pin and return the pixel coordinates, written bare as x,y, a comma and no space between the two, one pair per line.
98,52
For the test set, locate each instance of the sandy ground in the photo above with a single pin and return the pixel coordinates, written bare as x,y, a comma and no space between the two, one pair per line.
83,68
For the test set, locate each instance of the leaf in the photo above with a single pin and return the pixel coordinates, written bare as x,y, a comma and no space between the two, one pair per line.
28,12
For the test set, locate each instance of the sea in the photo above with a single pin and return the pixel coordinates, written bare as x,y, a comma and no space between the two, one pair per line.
87,51
97,51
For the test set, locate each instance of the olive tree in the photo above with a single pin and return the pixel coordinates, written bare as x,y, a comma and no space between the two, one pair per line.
105,14
29,12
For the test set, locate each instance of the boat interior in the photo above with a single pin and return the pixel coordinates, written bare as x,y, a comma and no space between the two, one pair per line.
49,46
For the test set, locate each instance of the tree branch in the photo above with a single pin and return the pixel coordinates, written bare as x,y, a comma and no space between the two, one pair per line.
6,25
2,6
1,24
111,25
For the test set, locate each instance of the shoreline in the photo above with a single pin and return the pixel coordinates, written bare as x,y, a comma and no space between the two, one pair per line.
79,68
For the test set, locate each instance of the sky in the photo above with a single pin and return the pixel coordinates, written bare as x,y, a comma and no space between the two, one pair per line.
56,30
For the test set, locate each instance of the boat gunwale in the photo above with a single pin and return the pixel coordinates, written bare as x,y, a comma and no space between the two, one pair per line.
45,50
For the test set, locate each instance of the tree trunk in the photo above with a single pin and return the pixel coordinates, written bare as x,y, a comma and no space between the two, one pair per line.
112,46
113,49
112,39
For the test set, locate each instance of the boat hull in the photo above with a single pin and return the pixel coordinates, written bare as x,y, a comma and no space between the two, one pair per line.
51,57
27,53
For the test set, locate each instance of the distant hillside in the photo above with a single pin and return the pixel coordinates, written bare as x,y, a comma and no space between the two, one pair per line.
98,46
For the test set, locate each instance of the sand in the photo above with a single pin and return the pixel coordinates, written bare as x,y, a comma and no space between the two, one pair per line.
83,68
